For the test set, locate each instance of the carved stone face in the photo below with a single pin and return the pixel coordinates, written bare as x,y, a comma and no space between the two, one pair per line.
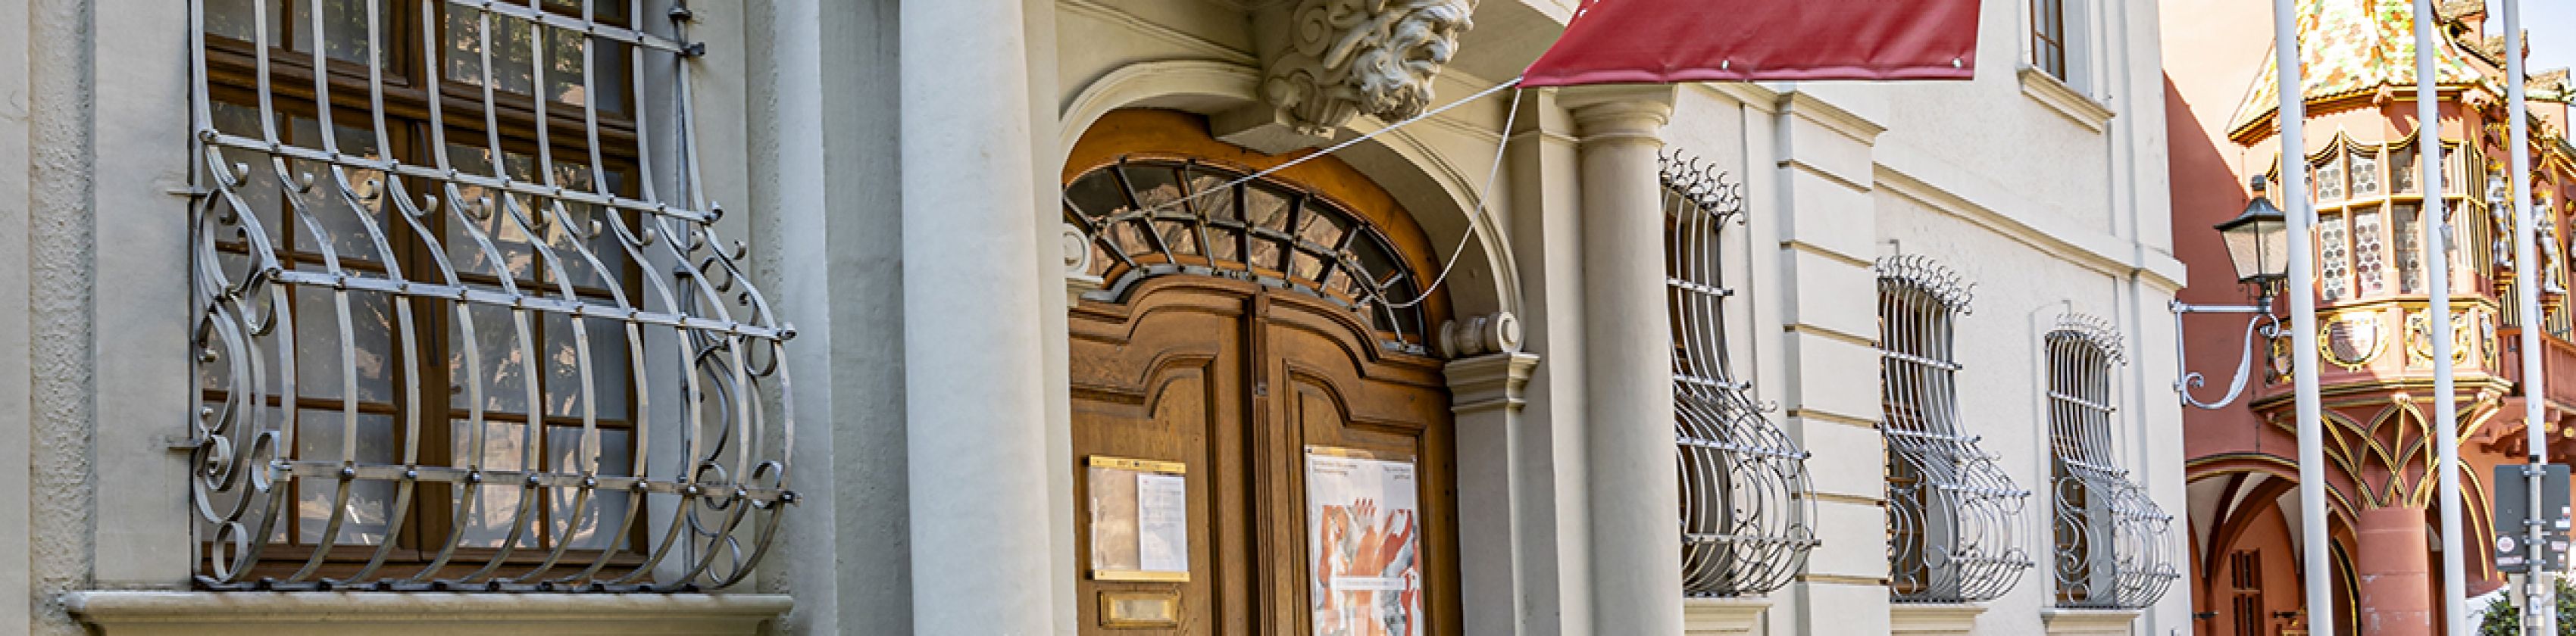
1394,76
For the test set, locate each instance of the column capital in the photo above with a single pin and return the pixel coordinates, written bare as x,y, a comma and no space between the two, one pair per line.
1494,381
1619,112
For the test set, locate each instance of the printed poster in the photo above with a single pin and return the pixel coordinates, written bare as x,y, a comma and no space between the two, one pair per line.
1363,534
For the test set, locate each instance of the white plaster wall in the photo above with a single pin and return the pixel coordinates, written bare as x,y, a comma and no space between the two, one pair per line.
15,415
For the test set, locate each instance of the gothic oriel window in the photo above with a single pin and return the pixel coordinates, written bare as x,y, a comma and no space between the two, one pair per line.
1745,508
1952,514
464,318
2109,538
1151,216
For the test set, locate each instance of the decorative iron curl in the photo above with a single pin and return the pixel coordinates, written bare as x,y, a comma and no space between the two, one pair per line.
1929,276
2111,541
1953,513
1702,185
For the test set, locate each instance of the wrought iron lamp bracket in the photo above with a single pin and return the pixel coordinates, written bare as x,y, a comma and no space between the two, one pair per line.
2261,321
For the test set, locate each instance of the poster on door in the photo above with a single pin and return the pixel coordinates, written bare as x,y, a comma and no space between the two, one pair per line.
1363,534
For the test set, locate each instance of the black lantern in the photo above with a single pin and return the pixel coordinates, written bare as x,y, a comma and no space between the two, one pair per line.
2258,241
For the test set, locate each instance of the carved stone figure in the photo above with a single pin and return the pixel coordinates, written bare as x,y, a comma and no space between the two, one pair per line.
1335,59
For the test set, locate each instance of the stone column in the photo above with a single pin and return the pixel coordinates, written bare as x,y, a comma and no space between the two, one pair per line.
1627,359
975,389
2394,562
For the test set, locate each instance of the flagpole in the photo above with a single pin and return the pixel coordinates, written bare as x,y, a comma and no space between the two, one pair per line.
2437,278
2293,118
2542,610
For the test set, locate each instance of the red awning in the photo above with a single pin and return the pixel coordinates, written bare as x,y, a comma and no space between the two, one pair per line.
1665,41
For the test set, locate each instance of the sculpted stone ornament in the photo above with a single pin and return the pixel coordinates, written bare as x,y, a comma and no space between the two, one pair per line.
1330,60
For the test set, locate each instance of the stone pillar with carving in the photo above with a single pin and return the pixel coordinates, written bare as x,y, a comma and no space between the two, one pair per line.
1627,360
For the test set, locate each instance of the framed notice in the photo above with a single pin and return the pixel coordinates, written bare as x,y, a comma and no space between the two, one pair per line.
1363,541
1140,519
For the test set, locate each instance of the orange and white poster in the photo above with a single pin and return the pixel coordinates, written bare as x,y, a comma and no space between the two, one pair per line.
1363,540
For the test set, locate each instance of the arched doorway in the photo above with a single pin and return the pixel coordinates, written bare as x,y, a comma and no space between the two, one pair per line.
1264,445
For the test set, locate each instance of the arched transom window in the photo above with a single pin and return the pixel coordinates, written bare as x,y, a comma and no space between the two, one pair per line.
1156,216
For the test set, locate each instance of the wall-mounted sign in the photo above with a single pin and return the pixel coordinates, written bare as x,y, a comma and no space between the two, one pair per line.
1363,538
1140,519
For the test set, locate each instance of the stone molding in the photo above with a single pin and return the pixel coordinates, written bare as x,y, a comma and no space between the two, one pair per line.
157,613
2088,622
1078,279
1498,332
1932,619
1722,616
1489,382
2065,100
1327,61
1617,112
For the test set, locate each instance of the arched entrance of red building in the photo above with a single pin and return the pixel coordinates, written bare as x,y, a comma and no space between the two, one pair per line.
2247,579
1264,444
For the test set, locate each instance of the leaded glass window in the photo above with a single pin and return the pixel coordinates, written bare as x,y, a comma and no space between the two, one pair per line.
1148,217
2334,258
1745,509
1953,514
2109,538
2369,253
458,329
2330,180
2365,172
2410,248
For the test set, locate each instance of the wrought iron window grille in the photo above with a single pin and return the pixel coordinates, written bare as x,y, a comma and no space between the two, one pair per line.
1952,512
618,418
2112,542
1265,231
1746,512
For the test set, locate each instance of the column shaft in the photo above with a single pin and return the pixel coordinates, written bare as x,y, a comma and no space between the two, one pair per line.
2396,572
975,389
1636,540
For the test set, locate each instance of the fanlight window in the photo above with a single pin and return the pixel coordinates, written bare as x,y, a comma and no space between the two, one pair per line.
1148,217
470,326
1744,483
1951,511
2112,548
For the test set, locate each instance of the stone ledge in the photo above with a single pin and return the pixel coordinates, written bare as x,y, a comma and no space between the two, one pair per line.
152,613
1722,616
2057,96
2087,622
1932,619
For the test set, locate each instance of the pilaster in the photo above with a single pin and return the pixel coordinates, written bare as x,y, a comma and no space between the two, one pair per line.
1627,360
1486,395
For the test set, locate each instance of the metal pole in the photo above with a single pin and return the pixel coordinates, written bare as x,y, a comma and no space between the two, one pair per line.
2526,284
2437,285
2302,292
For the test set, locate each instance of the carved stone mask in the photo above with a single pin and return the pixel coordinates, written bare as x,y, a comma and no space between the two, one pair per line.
1349,57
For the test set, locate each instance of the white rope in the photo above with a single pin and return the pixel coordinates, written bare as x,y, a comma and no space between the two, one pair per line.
1477,213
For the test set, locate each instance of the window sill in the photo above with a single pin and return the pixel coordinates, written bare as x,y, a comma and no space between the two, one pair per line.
1932,619
150,613
2057,96
1722,616
2087,622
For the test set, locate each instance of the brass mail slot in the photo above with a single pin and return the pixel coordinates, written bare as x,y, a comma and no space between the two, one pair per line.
1140,609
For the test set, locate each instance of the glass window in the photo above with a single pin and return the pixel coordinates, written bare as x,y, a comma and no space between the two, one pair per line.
2107,533
1951,511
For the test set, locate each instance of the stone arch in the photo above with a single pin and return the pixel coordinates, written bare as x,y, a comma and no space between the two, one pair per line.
1438,193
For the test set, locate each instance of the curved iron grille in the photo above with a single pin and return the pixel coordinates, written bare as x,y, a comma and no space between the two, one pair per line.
2111,539
1744,483
1153,217
608,429
1951,511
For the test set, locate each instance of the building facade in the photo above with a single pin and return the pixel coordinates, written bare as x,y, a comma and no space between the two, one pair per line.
2376,377
406,316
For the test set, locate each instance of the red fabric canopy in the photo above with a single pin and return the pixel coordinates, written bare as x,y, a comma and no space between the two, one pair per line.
1666,41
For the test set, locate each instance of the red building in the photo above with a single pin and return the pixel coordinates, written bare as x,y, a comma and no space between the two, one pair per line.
2376,367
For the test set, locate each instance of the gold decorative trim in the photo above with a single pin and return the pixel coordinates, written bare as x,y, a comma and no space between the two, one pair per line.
1130,463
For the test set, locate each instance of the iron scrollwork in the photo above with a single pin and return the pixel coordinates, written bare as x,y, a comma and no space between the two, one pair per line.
687,492
2112,542
1746,512
1952,512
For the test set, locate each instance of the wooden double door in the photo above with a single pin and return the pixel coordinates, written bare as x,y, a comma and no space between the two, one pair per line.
1229,385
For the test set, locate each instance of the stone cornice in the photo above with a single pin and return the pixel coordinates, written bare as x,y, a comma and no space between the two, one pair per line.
1807,106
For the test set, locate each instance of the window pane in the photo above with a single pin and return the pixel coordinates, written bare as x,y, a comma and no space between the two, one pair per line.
2330,181
344,28
503,446
607,508
2410,250
2333,257
319,437
2367,253
2365,173
319,369
2401,169
513,50
259,188
235,19
499,358
1096,195
485,211
609,362
336,209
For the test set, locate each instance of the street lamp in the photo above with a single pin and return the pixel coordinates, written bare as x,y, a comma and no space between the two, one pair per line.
2258,244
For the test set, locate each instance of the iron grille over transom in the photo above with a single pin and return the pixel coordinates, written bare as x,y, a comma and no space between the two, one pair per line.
464,320
1266,231
2110,537
1951,511
1744,485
